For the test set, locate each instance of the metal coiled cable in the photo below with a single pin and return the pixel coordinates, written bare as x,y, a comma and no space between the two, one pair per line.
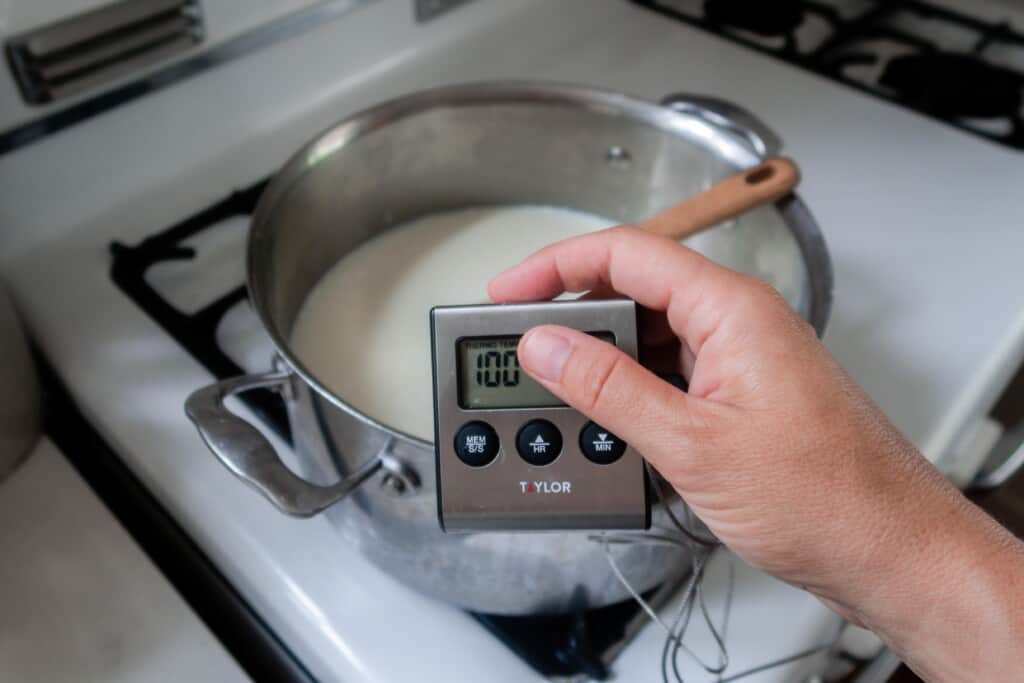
701,549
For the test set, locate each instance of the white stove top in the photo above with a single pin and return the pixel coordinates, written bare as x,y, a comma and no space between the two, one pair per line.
922,221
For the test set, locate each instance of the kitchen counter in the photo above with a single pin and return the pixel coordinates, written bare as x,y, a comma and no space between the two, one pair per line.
79,601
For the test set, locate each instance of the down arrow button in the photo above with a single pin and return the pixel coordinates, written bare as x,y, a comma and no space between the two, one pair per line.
599,445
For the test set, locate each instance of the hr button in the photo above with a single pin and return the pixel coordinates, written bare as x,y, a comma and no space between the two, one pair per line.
539,442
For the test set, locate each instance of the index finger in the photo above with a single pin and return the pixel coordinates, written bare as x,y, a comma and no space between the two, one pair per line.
656,272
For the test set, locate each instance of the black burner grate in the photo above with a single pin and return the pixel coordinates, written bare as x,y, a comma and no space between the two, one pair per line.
196,332
566,645
939,62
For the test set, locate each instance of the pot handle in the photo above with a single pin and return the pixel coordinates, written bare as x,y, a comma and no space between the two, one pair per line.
1007,469
762,139
252,458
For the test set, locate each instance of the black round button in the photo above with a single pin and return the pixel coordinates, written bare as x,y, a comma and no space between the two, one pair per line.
599,445
476,444
539,442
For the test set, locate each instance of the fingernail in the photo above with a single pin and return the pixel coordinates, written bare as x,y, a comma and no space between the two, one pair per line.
545,353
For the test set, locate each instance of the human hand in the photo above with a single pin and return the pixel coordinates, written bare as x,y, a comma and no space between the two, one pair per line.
774,447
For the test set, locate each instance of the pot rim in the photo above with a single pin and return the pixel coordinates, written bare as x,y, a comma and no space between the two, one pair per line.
335,137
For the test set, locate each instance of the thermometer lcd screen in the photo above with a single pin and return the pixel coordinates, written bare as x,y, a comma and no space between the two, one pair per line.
490,376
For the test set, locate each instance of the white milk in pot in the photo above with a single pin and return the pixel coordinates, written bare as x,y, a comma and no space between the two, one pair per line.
364,328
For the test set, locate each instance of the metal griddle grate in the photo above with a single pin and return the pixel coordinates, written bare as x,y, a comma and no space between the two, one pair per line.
961,70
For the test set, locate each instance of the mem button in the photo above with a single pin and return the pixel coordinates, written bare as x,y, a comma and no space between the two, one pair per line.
599,445
476,444
539,442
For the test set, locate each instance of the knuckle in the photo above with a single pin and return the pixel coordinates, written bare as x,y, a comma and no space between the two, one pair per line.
598,381
617,231
760,291
762,299
621,236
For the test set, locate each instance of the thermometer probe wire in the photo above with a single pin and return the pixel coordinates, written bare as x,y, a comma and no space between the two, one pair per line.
701,548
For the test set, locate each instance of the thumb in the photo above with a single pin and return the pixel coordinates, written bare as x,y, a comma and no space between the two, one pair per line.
613,390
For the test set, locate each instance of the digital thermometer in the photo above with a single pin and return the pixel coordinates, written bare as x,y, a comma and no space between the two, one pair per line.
510,455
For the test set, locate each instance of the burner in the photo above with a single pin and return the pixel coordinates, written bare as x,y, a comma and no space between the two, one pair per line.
565,644
950,84
196,330
961,69
778,18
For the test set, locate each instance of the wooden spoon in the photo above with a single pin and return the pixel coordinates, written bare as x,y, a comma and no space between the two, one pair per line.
763,184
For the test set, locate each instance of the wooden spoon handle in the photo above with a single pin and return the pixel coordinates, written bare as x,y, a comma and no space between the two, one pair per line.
763,184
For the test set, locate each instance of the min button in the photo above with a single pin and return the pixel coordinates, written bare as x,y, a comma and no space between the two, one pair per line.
599,445
476,444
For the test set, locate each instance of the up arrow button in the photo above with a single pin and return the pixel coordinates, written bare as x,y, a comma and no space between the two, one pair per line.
539,442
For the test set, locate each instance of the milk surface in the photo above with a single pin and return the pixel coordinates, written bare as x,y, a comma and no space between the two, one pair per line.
364,329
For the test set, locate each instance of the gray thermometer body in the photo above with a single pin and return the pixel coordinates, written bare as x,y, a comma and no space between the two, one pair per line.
510,455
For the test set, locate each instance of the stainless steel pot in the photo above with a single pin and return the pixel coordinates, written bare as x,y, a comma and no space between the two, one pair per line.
477,144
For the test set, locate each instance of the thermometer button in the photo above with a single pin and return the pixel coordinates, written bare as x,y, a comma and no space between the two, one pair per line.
539,442
599,445
476,444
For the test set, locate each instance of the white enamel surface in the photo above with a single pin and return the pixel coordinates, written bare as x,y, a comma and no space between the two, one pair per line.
923,223
80,600
24,15
222,20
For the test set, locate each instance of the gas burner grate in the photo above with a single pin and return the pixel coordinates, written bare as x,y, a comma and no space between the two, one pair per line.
567,645
961,70
196,332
